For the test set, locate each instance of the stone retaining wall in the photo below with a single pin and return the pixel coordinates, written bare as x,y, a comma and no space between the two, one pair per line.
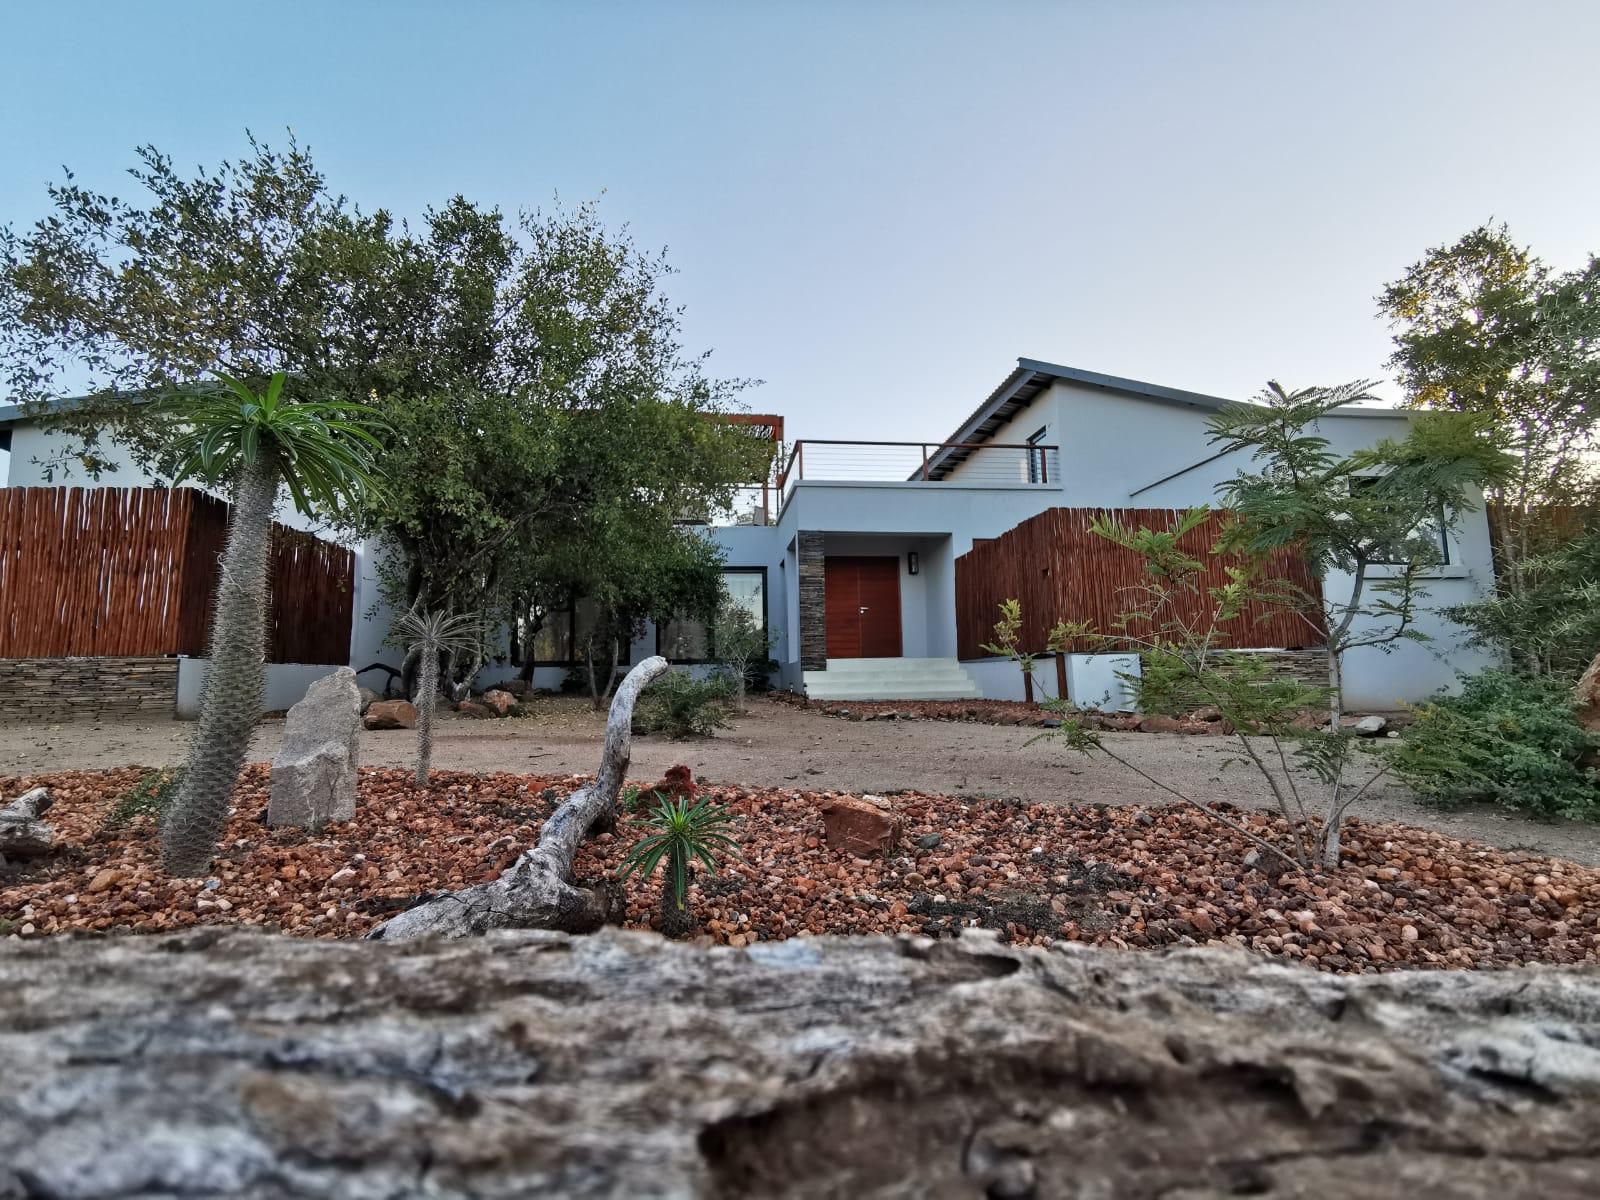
69,689
1308,666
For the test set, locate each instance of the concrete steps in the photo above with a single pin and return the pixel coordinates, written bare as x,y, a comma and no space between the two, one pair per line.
891,679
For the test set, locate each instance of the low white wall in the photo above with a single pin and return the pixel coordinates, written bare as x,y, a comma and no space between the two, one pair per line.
1001,679
286,684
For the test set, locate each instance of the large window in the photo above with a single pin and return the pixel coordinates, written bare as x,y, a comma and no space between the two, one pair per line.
1430,532
689,641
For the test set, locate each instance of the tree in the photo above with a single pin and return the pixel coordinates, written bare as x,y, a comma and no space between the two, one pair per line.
1370,525
742,644
516,485
259,442
430,638
253,269
1483,326
1008,642
528,370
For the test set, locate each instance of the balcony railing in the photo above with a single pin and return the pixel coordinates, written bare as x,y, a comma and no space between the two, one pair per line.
979,464
983,464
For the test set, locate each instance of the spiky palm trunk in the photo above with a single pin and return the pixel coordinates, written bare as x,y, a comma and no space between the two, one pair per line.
231,703
675,918
427,696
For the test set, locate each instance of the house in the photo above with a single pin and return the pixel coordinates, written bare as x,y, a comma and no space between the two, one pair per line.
852,552
855,563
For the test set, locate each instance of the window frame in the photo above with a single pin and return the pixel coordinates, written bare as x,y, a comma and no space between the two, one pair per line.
766,620
1038,467
1441,525
570,612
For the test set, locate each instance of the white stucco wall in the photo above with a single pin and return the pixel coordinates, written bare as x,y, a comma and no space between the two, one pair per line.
285,685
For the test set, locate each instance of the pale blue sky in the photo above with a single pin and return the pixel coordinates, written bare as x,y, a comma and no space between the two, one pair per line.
876,207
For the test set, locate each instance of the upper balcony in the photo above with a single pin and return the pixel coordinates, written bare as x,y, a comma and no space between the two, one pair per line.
907,464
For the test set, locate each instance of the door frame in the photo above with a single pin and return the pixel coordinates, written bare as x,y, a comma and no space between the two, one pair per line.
898,609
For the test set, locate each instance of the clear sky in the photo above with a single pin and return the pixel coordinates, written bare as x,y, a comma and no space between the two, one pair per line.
877,207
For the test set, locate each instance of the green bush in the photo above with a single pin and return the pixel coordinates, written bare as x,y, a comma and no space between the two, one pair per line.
1507,739
147,798
681,706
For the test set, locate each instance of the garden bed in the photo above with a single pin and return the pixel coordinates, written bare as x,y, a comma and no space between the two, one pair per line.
1126,876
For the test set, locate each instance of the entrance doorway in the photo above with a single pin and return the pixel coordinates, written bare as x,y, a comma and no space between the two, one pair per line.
863,606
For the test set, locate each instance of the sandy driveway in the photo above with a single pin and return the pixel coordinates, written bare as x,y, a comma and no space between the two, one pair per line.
776,745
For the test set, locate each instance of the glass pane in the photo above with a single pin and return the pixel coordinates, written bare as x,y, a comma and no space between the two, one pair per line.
553,642
746,589
685,641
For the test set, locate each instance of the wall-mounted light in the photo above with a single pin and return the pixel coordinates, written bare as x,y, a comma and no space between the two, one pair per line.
912,565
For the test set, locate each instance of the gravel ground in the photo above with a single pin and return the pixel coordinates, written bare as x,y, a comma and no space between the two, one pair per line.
1125,876
777,745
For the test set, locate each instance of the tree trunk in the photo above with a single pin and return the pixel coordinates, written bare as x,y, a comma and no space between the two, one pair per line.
427,700
231,704
611,677
533,893
232,1062
588,662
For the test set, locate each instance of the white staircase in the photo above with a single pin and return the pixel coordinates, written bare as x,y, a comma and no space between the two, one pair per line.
892,679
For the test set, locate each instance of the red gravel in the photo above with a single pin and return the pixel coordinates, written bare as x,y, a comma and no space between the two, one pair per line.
1123,876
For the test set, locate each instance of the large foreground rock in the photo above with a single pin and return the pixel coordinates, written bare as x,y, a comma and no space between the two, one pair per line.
523,1064
314,771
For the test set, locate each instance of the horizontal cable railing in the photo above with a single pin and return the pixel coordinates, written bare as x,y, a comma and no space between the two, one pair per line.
988,464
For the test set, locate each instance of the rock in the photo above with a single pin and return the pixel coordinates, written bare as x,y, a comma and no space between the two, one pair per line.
476,710
391,714
1158,723
929,841
859,827
1370,726
103,881
314,771
677,784
502,702
22,833
1198,1072
368,698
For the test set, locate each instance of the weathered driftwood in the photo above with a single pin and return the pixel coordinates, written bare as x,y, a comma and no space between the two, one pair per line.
534,892
22,833
621,1064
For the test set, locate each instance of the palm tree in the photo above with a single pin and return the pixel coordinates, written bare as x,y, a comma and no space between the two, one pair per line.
430,635
323,454
683,830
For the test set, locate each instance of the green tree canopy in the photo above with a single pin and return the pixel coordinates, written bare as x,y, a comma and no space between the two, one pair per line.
527,371
1483,326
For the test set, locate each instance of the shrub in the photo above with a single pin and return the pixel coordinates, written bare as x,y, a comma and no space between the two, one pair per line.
147,798
1507,739
681,706
680,831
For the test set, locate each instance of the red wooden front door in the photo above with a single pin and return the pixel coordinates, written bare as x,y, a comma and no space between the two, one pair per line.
863,605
